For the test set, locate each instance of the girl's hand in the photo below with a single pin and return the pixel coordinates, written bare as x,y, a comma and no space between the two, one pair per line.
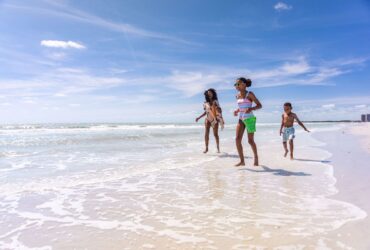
197,119
236,112
281,132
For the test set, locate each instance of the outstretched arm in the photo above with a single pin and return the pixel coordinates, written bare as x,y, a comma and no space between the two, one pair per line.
202,115
301,123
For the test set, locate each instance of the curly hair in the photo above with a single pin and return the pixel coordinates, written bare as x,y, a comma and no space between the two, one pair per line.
214,95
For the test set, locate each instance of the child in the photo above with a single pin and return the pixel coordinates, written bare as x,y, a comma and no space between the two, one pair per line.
287,129
247,120
212,111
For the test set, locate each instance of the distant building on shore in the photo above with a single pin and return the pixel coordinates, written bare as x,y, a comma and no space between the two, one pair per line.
365,118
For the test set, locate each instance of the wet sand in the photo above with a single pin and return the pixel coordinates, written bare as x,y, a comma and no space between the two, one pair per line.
197,201
351,158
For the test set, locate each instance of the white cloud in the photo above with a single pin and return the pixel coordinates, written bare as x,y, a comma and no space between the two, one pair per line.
183,80
56,55
194,82
62,44
191,82
361,106
65,11
298,67
280,6
328,106
29,102
119,71
60,83
324,73
74,105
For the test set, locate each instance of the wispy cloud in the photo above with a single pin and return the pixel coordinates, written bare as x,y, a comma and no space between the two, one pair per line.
65,11
191,83
60,82
328,106
360,106
324,73
291,68
18,59
62,44
293,72
56,55
280,6
187,81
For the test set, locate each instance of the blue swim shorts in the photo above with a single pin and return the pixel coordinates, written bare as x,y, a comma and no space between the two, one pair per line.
288,134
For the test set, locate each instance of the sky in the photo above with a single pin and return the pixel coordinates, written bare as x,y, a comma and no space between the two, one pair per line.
151,61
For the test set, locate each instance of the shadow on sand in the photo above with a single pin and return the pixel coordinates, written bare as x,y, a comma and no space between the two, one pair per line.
309,160
280,172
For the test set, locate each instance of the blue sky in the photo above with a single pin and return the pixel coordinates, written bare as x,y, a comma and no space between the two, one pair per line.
137,61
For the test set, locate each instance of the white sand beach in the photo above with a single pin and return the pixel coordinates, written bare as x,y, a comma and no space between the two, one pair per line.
121,125
151,187
351,157
363,131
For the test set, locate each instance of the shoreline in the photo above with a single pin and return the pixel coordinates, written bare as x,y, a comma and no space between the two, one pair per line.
185,199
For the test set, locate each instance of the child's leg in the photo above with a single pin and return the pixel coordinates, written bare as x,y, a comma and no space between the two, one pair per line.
215,133
238,140
206,136
285,144
291,146
254,147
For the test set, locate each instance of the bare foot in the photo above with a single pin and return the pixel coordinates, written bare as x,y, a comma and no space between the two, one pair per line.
242,163
256,162
205,151
286,153
291,157
218,150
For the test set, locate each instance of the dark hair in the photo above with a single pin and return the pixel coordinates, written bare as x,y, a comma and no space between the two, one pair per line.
248,82
214,95
288,104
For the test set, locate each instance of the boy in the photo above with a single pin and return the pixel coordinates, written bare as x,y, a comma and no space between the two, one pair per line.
287,129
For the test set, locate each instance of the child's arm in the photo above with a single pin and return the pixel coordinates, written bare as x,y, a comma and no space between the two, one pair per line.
282,124
256,101
300,123
202,115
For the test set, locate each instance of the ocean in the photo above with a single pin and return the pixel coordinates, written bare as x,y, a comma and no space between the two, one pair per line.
143,186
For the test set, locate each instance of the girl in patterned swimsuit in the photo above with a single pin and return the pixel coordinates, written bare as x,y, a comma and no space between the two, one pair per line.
213,113
245,100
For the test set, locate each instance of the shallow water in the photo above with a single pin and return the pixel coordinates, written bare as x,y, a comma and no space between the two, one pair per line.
141,186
